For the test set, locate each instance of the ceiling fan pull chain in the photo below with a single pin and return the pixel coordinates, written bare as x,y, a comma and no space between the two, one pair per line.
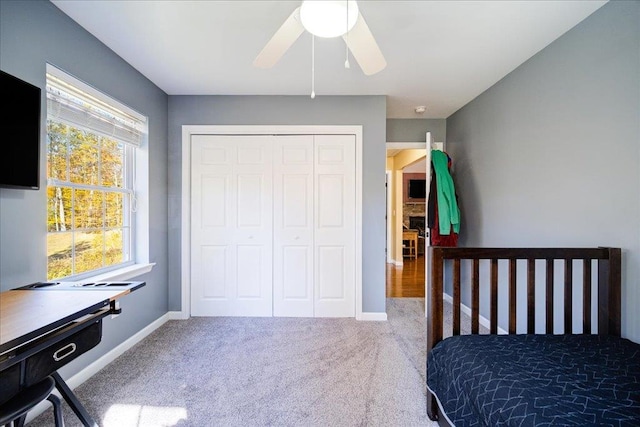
313,66
346,41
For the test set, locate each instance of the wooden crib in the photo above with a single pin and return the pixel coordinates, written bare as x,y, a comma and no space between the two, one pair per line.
492,360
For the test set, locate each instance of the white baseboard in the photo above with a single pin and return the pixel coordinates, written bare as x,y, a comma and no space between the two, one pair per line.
103,361
466,310
371,316
177,315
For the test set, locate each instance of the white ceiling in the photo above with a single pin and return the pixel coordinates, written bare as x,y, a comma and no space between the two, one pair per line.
418,167
440,54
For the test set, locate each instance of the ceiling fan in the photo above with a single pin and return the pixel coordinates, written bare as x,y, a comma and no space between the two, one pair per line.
324,18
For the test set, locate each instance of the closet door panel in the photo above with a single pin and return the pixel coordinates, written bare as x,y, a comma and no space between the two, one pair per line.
297,257
334,225
249,270
293,226
331,277
212,198
330,197
249,196
213,208
213,260
231,226
253,225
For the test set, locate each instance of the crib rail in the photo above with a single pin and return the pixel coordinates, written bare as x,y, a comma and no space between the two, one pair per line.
608,287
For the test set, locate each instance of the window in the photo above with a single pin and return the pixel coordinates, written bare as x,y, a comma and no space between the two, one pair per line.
92,142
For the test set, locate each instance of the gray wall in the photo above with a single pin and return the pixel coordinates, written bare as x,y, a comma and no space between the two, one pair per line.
415,130
550,155
33,33
368,111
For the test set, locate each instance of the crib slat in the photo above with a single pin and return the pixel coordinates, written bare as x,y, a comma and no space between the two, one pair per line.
475,297
568,296
512,296
549,297
456,297
609,288
493,321
531,295
586,296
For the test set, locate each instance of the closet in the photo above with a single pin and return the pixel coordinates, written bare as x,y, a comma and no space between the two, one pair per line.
272,230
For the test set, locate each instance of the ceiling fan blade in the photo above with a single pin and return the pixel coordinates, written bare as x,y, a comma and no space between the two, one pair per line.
282,40
364,48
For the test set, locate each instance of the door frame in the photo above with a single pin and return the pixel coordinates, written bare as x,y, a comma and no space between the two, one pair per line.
185,244
389,225
427,145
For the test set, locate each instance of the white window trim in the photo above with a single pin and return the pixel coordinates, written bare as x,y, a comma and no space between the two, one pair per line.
124,273
140,251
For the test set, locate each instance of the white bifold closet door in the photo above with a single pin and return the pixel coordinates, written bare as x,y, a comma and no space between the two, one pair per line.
273,225
231,226
314,226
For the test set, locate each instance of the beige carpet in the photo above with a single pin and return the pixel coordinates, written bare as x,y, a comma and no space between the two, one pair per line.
227,371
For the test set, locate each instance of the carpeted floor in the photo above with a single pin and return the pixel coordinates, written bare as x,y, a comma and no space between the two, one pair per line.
225,371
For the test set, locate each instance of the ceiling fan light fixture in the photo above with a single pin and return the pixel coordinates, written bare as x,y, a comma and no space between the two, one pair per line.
327,18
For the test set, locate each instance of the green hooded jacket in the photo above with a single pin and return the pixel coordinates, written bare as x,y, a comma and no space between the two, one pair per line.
448,211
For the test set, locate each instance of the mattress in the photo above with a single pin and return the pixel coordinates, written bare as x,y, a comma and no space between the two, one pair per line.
536,380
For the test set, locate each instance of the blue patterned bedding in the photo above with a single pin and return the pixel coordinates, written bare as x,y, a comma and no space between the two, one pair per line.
536,380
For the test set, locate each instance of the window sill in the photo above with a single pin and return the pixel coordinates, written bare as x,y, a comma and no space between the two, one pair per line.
124,273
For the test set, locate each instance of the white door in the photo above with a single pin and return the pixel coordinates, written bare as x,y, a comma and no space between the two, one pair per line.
293,226
334,230
231,225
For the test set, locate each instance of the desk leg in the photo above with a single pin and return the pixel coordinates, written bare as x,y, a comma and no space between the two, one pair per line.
73,401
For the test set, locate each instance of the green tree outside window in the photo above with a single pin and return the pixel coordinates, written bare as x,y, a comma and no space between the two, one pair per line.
87,207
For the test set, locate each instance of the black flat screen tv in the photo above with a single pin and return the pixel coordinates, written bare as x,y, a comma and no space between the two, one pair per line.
20,133
417,188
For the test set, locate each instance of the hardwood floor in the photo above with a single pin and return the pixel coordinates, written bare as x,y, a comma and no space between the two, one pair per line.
407,280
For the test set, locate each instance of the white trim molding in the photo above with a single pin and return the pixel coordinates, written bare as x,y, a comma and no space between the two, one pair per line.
372,316
124,273
189,130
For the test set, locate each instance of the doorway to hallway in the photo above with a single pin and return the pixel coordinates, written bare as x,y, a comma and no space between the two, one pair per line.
406,275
